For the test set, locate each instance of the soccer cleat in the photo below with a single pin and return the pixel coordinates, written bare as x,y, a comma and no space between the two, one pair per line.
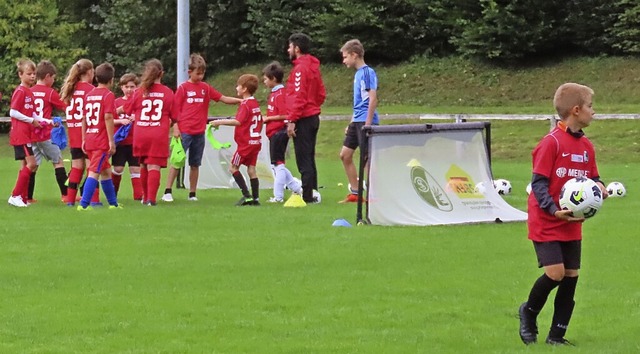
31,201
193,199
255,202
80,208
167,197
558,341
113,207
63,199
150,203
313,200
275,200
17,201
244,201
528,325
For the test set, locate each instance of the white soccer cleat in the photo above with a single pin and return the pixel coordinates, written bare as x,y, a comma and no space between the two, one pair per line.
191,199
17,201
167,197
275,200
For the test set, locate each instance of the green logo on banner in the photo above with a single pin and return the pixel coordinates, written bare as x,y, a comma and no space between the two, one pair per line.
428,189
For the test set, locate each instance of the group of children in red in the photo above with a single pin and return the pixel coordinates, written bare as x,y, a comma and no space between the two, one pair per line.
147,111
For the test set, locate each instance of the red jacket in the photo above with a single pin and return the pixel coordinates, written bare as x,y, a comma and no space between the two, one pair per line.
305,89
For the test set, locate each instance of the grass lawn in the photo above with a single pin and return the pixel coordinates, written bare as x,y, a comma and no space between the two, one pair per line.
208,277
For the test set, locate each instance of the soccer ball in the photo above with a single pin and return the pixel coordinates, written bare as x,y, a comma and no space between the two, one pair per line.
502,186
582,196
616,189
528,189
317,195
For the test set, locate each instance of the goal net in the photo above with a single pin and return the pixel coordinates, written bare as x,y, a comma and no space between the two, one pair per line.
432,174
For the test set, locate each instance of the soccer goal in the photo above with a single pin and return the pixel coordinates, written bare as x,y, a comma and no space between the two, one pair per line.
431,174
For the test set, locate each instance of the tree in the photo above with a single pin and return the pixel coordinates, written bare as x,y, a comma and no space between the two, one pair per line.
31,29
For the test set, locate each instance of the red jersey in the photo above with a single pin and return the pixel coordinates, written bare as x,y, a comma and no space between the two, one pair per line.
305,89
75,113
276,106
192,105
560,157
120,102
248,135
46,99
22,101
153,113
99,102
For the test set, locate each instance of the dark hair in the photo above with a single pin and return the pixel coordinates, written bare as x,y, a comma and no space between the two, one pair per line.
302,41
250,82
128,77
105,73
274,71
45,68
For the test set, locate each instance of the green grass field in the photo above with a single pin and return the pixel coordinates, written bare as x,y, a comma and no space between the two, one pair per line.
208,277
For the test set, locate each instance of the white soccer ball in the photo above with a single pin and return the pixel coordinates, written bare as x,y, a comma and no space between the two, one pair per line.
582,196
317,195
528,188
502,186
616,189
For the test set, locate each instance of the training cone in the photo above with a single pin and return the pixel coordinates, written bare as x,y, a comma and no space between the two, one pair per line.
295,201
341,222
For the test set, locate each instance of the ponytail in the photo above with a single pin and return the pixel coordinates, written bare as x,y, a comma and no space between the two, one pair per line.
152,71
78,69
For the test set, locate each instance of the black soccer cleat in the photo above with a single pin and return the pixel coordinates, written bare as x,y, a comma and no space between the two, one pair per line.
528,325
558,341
244,201
255,202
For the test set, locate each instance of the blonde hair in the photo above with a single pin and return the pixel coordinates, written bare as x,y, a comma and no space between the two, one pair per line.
353,46
250,82
24,64
129,77
78,69
196,62
569,95
152,71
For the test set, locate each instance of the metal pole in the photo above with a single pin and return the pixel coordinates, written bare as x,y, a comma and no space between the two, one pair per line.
183,58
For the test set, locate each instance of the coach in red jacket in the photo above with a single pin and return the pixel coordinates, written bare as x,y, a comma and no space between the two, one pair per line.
305,95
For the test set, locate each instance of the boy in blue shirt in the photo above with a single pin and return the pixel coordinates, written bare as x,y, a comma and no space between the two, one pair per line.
365,102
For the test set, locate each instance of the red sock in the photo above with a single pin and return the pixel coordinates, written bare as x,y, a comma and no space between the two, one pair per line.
22,183
153,184
116,181
75,175
136,185
143,182
96,195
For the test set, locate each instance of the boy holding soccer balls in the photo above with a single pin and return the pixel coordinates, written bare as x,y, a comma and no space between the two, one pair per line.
561,155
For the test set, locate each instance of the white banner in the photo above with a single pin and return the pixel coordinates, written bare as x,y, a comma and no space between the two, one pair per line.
214,172
430,179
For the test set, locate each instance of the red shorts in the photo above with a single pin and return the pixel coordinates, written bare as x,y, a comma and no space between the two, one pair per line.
247,158
98,160
149,160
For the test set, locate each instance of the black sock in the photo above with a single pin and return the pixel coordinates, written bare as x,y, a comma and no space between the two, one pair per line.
255,188
61,178
540,292
32,185
563,307
167,191
237,176
191,194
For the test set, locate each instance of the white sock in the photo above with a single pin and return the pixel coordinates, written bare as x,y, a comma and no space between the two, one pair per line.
292,183
279,181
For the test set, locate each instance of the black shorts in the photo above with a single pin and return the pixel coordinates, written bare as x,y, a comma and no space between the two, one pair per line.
355,138
77,154
124,155
278,146
556,252
22,151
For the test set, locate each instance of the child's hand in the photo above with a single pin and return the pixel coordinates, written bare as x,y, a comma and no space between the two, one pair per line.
603,189
36,124
567,215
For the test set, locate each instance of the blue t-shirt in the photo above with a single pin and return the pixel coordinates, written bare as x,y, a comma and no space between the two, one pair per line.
364,80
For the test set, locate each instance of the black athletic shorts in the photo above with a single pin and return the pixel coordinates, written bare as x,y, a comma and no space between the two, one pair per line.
556,252
124,155
77,154
278,146
22,151
355,138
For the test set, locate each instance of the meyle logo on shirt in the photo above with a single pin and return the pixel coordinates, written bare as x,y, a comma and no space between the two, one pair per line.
572,172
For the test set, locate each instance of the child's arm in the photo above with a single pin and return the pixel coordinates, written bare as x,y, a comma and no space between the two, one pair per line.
373,104
278,117
108,122
230,100
230,121
540,189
